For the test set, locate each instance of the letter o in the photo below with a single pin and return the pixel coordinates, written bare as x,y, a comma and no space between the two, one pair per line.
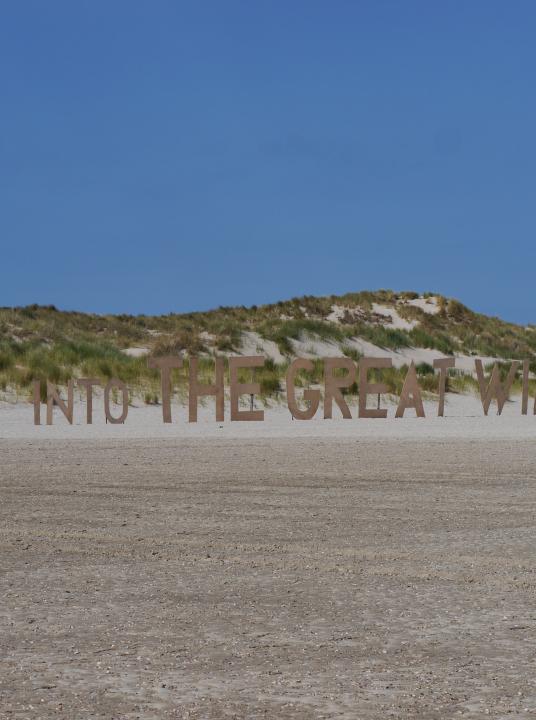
115,383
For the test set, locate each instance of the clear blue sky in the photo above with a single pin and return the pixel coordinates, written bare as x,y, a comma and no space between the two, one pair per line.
164,156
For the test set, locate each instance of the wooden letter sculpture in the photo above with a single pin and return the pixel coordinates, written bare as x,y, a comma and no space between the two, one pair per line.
89,384
525,390
53,398
443,364
494,389
366,388
312,397
238,389
165,364
333,385
37,401
410,396
115,383
196,390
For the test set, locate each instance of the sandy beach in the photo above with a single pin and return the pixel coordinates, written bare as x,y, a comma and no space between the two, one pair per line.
267,361
270,576
464,419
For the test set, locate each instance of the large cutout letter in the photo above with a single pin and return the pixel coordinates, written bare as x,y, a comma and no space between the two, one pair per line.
115,383
525,391
495,389
411,394
53,398
312,397
37,401
238,389
443,364
89,383
196,390
333,385
366,388
165,364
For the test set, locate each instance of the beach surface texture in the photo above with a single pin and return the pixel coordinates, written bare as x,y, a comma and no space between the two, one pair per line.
322,569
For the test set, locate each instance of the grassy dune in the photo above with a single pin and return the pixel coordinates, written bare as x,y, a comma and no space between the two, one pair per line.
41,342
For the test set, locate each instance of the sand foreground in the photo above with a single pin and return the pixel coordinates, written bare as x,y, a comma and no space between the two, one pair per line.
279,578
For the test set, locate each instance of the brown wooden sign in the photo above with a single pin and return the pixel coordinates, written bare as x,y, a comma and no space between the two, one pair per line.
340,374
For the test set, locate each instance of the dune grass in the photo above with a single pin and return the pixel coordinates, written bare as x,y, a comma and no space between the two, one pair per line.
41,342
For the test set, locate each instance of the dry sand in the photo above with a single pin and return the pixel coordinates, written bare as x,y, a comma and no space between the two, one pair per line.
270,577
463,419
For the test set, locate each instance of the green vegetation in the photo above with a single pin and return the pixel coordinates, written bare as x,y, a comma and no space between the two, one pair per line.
288,330
41,342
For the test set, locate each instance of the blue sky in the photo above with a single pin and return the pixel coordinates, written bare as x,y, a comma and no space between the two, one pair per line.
167,156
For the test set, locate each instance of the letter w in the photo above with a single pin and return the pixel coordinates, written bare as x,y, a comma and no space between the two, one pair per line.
494,388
